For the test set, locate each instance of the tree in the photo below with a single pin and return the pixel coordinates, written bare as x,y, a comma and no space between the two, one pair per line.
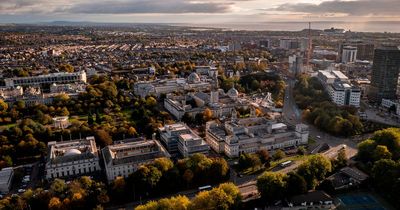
66,68
314,170
163,164
381,152
151,102
365,150
295,184
223,197
249,161
207,115
58,186
3,106
390,138
278,155
341,160
174,203
55,203
301,150
263,154
64,112
102,137
271,186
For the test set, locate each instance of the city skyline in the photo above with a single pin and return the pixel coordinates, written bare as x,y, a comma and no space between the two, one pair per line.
199,11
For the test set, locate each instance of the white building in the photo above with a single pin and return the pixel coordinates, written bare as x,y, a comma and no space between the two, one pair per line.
387,103
6,177
124,157
191,143
180,138
339,88
249,135
158,87
62,77
349,54
72,158
61,122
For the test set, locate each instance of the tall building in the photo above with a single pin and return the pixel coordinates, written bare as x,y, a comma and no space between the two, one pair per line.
349,54
385,74
296,64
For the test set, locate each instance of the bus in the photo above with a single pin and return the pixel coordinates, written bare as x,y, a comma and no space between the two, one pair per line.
207,187
285,164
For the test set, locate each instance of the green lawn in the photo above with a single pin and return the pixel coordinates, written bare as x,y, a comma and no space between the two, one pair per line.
292,158
3,127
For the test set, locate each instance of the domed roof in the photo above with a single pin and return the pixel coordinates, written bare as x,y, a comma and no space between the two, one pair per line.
193,78
233,92
72,152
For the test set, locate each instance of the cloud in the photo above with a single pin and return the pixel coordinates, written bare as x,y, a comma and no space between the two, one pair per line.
354,7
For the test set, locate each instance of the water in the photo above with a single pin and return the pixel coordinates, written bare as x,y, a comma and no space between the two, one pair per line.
374,26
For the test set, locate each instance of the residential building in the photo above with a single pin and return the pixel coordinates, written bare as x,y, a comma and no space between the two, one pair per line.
126,156
296,64
71,158
249,135
6,178
349,54
62,77
385,74
347,177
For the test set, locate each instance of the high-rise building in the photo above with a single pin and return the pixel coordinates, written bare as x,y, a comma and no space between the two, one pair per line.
349,54
385,73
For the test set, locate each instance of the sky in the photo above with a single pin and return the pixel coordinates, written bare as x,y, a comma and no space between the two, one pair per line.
198,11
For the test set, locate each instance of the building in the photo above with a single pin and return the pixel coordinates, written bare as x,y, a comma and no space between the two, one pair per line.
6,178
157,87
61,122
347,177
62,77
191,143
180,138
289,44
339,88
217,101
249,135
296,64
124,157
385,74
311,200
349,54
72,158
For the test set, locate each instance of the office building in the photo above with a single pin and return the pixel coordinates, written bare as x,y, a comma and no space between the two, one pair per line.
191,143
385,74
126,156
71,158
296,64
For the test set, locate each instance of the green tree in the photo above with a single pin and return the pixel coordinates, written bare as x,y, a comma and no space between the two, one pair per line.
314,170
381,152
295,184
102,137
365,150
278,155
271,186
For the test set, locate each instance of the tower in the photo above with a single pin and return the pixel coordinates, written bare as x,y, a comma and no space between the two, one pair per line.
385,74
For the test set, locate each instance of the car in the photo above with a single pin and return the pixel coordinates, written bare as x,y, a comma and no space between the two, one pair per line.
318,137
21,190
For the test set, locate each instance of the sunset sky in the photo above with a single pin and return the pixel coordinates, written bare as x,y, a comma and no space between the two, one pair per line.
198,11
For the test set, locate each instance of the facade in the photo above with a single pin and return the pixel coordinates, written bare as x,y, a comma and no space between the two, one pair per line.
72,158
191,143
62,77
218,102
180,138
296,64
124,157
349,54
61,122
385,74
158,87
6,177
340,90
249,135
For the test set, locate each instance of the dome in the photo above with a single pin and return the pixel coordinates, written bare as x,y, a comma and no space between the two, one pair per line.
193,78
233,93
72,152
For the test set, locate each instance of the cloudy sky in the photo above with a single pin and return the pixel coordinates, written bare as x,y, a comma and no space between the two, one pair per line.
198,11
